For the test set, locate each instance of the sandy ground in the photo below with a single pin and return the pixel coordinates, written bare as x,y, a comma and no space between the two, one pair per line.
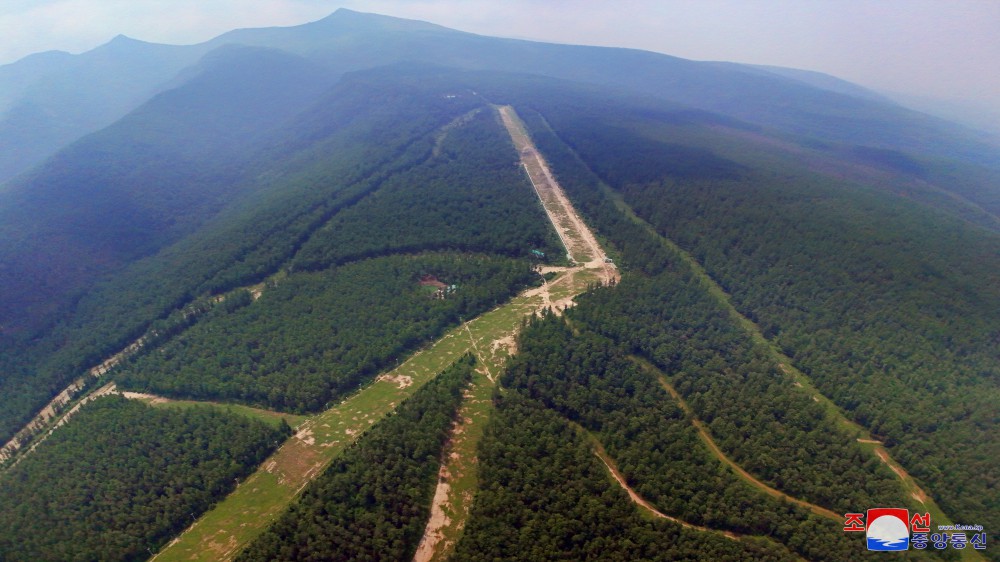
641,502
439,519
55,406
580,242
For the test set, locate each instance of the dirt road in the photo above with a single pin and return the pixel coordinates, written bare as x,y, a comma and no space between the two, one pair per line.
581,244
706,438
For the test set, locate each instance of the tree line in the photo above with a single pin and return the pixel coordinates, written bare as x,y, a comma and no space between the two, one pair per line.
123,478
373,502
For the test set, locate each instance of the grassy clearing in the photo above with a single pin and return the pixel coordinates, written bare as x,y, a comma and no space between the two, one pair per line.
267,416
256,502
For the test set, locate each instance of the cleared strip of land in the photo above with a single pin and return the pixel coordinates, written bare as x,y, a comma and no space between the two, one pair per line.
458,475
581,244
235,521
801,380
706,438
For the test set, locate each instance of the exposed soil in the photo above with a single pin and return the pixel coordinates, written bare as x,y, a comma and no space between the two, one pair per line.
918,493
580,242
600,453
151,399
402,381
706,438
433,533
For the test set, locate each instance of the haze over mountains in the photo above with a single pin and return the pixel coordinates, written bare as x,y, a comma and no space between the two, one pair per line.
50,99
773,226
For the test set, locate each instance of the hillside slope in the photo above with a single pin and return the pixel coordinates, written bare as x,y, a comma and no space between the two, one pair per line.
49,101
803,272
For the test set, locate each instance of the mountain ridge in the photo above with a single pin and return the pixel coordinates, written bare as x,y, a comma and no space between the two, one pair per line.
349,40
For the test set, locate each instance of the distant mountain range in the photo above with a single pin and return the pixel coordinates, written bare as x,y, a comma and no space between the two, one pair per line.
808,293
49,100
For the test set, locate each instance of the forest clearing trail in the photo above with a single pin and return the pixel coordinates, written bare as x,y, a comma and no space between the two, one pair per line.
706,438
638,500
581,244
458,474
51,416
804,384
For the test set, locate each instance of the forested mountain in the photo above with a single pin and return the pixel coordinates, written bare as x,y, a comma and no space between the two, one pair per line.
846,280
157,469
51,99
126,191
805,324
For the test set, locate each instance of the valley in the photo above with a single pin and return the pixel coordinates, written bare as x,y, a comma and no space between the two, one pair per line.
468,298
223,531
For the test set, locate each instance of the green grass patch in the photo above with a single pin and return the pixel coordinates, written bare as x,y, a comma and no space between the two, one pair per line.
267,416
245,513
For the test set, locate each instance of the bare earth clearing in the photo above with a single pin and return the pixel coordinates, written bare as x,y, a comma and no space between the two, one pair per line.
457,477
706,438
45,417
235,521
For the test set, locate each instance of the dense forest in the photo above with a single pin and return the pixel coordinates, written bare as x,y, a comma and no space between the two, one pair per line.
887,305
328,159
373,502
384,132
589,380
386,214
123,478
754,411
470,196
543,495
316,336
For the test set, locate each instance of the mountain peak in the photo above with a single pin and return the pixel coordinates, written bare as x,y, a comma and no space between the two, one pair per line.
356,19
120,43
121,39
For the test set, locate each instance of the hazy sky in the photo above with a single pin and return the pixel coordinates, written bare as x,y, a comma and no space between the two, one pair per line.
941,48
